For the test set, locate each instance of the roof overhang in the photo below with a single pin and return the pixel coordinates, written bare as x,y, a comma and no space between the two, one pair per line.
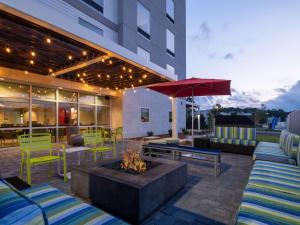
71,57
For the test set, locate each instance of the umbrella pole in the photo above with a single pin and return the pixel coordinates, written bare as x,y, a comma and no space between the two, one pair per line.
193,117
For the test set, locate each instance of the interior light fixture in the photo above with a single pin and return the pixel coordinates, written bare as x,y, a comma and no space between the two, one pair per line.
8,50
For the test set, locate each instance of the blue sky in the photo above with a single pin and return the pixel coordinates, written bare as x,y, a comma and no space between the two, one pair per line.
255,43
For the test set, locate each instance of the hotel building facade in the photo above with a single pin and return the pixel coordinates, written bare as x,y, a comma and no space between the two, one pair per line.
87,63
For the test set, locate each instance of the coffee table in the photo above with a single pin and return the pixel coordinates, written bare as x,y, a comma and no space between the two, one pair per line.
70,151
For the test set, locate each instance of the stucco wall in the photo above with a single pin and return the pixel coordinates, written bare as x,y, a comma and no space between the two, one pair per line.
159,105
293,122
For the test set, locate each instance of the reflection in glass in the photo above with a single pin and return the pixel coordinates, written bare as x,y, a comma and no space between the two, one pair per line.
12,90
43,93
87,99
87,115
43,113
67,114
103,116
143,18
66,96
144,115
14,113
170,9
102,100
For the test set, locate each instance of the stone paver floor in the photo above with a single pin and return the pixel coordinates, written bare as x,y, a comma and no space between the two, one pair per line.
205,199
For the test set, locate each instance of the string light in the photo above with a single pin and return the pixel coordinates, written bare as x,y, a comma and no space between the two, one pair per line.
26,72
99,75
53,74
121,76
124,68
145,76
8,50
132,85
31,62
107,76
48,40
130,76
103,60
117,88
107,88
110,62
84,74
130,70
84,52
70,57
32,54
140,81
50,70
78,74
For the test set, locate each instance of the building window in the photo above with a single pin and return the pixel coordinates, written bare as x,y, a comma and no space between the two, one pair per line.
143,20
67,108
143,53
170,10
170,43
90,26
43,107
87,110
103,111
171,68
96,4
170,117
145,115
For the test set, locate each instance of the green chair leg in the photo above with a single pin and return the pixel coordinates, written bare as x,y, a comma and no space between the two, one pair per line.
28,172
95,156
22,165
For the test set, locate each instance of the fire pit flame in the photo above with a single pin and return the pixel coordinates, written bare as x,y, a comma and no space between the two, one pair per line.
133,161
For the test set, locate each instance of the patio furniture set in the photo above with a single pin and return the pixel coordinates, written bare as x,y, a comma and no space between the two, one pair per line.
272,195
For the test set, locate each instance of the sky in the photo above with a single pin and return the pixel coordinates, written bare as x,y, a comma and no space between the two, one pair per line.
254,43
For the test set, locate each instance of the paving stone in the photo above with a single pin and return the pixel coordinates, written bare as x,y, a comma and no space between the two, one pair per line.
205,199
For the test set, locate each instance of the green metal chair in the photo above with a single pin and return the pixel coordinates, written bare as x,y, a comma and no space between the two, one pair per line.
37,143
97,141
118,132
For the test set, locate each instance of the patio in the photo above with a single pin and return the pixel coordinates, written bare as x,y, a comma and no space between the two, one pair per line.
204,199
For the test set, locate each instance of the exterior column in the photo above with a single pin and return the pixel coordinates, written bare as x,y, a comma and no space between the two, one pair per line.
174,118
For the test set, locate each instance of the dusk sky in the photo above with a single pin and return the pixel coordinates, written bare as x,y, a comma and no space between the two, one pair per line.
254,43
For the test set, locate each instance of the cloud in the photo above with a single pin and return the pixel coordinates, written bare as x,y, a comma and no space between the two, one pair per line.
204,32
229,55
288,100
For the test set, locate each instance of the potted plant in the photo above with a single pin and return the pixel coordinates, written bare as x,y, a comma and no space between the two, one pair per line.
150,133
170,132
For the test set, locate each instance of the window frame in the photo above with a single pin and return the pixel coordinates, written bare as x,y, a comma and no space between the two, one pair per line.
144,33
172,19
169,51
94,5
148,115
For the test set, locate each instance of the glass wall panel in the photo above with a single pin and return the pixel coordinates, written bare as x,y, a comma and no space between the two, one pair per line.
43,113
86,99
66,96
103,101
43,93
67,114
103,116
87,115
14,105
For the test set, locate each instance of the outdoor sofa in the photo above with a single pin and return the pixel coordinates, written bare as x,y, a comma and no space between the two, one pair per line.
241,140
283,152
272,195
43,204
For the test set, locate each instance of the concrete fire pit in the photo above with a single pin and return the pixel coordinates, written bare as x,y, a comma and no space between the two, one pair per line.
132,197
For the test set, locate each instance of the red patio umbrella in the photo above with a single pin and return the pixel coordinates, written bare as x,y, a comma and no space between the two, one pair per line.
193,87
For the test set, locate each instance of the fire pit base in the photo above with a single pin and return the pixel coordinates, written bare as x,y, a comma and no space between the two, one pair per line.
132,197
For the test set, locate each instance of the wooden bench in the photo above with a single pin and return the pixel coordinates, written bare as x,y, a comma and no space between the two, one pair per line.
178,152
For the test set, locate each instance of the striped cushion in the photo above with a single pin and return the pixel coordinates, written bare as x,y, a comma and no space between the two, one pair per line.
270,152
245,133
64,209
276,176
286,142
214,140
16,209
225,140
265,206
248,142
295,152
224,132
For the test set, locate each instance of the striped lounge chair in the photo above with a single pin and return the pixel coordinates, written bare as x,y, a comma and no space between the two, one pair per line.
52,207
272,195
283,152
234,139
